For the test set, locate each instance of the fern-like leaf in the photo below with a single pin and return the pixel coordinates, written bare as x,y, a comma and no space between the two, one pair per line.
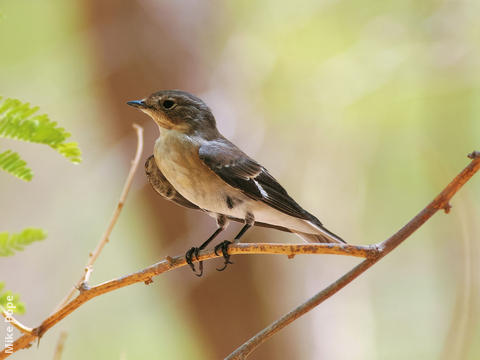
10,301
12,163
9,243
18,121
70,150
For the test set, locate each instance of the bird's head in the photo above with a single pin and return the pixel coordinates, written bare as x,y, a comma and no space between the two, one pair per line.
177,110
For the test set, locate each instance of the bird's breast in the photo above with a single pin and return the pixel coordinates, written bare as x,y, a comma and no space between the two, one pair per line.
177,157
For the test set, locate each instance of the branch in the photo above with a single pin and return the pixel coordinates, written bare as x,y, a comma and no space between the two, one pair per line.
371,253
83,282
440,202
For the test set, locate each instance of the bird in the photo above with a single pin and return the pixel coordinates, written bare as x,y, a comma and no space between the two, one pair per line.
195,166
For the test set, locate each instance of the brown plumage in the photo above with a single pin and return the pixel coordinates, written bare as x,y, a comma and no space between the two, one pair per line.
197,167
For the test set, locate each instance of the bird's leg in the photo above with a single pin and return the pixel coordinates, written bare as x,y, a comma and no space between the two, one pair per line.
222,224
194,251
223,246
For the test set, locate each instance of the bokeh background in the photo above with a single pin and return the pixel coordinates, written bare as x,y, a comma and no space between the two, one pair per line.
363,111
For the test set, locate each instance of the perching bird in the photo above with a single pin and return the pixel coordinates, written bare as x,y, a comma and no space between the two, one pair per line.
198,167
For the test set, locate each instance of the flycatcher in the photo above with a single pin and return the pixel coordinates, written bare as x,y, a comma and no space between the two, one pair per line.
197,167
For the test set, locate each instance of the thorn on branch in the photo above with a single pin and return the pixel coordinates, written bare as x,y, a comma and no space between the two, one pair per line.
169,260
83,287
474,155
378,251
447,208
148,281
291,256
38,332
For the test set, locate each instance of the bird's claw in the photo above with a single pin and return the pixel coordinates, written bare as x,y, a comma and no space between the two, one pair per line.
223,247
194,251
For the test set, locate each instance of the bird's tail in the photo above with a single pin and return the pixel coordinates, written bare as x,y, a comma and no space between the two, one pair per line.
325,236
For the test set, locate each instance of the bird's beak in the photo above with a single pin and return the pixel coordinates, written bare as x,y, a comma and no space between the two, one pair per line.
137,103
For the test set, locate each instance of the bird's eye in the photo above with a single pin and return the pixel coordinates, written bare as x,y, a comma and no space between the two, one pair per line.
168,104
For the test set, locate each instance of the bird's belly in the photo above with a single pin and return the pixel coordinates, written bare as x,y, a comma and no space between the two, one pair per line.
266,214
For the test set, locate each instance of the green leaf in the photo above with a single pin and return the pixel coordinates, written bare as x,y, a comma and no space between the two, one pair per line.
70,150
18,121
11,301
9,243
12,163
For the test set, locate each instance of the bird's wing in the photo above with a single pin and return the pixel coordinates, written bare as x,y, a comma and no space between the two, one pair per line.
161,185
245,174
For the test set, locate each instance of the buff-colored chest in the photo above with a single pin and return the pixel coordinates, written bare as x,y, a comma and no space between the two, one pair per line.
177,157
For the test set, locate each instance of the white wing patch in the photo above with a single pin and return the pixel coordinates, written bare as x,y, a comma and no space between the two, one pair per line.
262,190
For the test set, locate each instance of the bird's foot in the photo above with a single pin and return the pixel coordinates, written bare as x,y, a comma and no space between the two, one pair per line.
223,247
194,251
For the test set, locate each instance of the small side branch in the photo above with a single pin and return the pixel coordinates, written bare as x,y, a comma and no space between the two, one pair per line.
17,324
82,283
60,345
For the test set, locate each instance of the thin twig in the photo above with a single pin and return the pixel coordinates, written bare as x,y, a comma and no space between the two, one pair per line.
83,282
439,203
459,334
60,345
17,324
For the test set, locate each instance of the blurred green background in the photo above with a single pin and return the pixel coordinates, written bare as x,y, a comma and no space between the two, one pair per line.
362,110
